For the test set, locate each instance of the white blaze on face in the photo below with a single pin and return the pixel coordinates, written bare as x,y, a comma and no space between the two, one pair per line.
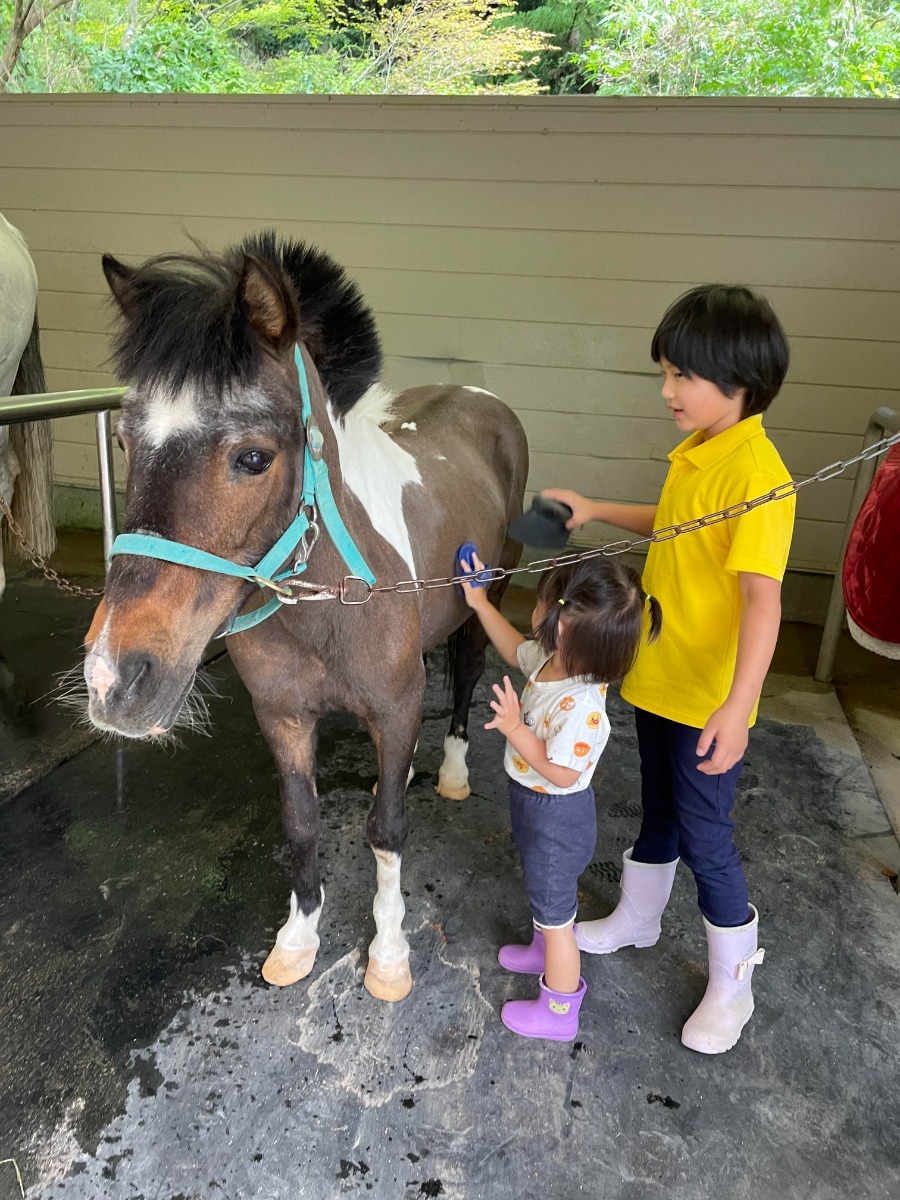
375,468
389,944
299,931
167,414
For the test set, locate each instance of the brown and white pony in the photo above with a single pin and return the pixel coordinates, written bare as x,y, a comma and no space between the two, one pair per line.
214,440
25,450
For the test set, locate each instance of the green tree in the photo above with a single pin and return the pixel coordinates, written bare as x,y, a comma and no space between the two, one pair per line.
746,47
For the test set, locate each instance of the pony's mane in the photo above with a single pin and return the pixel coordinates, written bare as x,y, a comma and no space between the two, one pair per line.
188,327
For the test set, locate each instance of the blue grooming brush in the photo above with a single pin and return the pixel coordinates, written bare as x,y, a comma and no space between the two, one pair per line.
464,553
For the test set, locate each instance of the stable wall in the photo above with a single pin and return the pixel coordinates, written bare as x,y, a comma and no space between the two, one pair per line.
525,246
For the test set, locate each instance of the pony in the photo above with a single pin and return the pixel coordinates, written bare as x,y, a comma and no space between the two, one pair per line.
249,373
26,482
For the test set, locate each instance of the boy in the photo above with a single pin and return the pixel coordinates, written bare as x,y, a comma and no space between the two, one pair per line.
723,356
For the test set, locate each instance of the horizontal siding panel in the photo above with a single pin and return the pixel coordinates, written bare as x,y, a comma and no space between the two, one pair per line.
758,261
819,313
572,114
699,160
604,348
609,348
849,212
76,463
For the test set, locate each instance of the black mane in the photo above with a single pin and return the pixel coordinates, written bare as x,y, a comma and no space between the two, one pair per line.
188,327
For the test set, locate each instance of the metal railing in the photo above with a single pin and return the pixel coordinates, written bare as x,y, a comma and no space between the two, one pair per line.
882,423
48,406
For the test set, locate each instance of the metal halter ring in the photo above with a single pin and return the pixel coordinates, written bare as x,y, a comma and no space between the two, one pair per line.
278,588
367,596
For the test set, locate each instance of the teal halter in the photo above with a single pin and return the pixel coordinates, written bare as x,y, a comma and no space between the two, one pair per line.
317,494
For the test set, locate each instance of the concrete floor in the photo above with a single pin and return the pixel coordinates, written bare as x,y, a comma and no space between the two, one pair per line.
142,1056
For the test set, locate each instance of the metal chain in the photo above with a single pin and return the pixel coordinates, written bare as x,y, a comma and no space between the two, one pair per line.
41,563
611,549
345,593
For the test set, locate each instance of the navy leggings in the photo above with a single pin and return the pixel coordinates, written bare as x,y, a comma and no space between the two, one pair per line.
688,814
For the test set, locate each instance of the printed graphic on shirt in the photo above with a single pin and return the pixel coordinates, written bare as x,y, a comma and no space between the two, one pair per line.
568,715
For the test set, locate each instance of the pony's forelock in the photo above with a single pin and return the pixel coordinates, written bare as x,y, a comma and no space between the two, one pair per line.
186,329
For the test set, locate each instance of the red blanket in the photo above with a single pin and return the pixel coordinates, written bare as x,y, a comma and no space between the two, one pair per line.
872,563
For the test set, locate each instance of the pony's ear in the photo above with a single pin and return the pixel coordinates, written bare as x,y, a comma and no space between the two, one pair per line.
121,283
268,303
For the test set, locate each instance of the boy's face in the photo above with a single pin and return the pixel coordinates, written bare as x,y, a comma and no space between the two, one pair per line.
697,404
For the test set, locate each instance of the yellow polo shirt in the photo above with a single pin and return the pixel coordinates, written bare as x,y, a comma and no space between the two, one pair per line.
687,673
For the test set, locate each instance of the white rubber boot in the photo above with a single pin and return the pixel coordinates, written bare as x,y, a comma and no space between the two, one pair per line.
646,888
727,1003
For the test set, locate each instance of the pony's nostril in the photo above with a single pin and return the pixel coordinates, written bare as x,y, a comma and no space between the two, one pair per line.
134,669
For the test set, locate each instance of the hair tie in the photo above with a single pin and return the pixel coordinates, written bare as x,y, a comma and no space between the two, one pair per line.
560,602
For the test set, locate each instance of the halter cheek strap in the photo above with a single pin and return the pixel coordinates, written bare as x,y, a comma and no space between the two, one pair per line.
317,494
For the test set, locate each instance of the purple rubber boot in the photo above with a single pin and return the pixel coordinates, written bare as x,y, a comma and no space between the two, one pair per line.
524,960
553,1016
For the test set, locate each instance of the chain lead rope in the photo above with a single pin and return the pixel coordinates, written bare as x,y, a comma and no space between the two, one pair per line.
352,590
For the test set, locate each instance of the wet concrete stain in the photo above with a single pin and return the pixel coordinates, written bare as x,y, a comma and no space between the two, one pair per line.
141,1055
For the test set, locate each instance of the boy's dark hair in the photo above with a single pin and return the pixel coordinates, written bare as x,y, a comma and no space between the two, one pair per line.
602,603
727,335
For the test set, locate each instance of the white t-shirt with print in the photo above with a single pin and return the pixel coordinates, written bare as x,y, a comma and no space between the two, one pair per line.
568,714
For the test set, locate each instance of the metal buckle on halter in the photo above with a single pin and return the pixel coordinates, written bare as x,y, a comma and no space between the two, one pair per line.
315,440
344,594
309,539
318,592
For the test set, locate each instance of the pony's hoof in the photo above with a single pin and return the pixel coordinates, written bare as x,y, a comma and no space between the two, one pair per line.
388,981
453,791
284,967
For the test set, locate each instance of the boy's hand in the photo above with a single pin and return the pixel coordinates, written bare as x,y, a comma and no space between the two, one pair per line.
728,727
506,708
476,597
582,509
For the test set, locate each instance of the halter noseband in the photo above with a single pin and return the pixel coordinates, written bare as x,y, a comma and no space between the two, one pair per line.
317,495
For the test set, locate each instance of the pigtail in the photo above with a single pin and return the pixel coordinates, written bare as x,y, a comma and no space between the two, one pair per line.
656,618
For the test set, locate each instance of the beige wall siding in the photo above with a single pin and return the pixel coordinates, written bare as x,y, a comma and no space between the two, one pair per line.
528,247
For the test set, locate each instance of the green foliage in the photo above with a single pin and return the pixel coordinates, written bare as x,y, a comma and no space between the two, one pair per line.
422,46
746,47
625,47
570,26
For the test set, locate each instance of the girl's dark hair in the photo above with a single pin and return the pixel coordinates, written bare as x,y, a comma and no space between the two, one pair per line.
602,602
727,335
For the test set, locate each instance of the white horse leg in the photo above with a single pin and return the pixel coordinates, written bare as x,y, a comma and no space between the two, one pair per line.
388,975
296,944
453,777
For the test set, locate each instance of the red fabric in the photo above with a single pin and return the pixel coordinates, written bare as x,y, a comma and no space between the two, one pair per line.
872,563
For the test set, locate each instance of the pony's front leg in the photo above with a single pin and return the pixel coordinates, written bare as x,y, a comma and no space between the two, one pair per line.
294,953
388,975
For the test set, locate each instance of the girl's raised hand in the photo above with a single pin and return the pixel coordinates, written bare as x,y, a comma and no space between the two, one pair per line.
582,509
475,596
506,708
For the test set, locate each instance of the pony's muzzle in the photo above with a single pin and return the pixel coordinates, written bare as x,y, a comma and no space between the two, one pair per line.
135,696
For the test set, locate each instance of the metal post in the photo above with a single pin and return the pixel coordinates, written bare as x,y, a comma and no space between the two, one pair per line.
882,422
107,482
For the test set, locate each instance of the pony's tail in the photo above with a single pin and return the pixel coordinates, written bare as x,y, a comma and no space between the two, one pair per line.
32,504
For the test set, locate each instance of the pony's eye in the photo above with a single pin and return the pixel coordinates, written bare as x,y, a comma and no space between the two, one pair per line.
254,462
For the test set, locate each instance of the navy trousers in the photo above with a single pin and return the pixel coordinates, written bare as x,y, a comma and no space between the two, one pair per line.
688,814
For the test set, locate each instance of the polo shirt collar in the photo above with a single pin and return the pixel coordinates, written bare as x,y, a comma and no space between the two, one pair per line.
703,453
